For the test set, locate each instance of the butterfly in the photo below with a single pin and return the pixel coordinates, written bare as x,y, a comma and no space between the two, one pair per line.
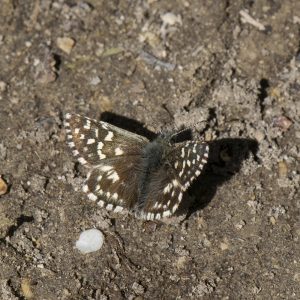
127,171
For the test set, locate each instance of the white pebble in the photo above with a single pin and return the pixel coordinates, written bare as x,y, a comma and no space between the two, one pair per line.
90,240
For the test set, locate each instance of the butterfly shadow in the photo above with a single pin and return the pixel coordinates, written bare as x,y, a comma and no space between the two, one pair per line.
127,124
225,160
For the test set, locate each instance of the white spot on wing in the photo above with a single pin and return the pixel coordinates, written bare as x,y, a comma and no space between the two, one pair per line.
76,130
118,209
158,216
118,151
182,152
87,124
167,189
109,206
174,208
166,213
82,160
101,155
92,196
106,168
90,141
75,152
175,182
113,176
109,136
180,196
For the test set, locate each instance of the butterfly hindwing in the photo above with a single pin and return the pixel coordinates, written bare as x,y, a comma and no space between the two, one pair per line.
114,185
187,161
92,141
167,185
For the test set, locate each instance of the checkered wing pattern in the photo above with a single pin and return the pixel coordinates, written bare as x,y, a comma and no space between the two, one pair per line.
112,154
127,171
114,185
167,185
93,142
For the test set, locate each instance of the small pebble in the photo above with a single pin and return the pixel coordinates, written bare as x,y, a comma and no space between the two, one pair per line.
3,187
90,240
259,136
282,122
138,288
224,246
171,19
272,220
282,169
2,86
65,44
95,80
240,225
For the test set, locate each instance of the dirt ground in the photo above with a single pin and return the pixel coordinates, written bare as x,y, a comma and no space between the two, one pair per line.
230,70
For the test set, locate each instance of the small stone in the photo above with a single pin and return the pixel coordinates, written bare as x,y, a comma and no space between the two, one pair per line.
297,277
28,44
259,136
272,220
3,187
138,288
3,86
65,44
282,169
181,262
224,246
90,240
95,80
240,225
282,122
171,19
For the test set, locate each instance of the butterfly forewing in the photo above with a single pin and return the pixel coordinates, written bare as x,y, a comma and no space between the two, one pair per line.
92,141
